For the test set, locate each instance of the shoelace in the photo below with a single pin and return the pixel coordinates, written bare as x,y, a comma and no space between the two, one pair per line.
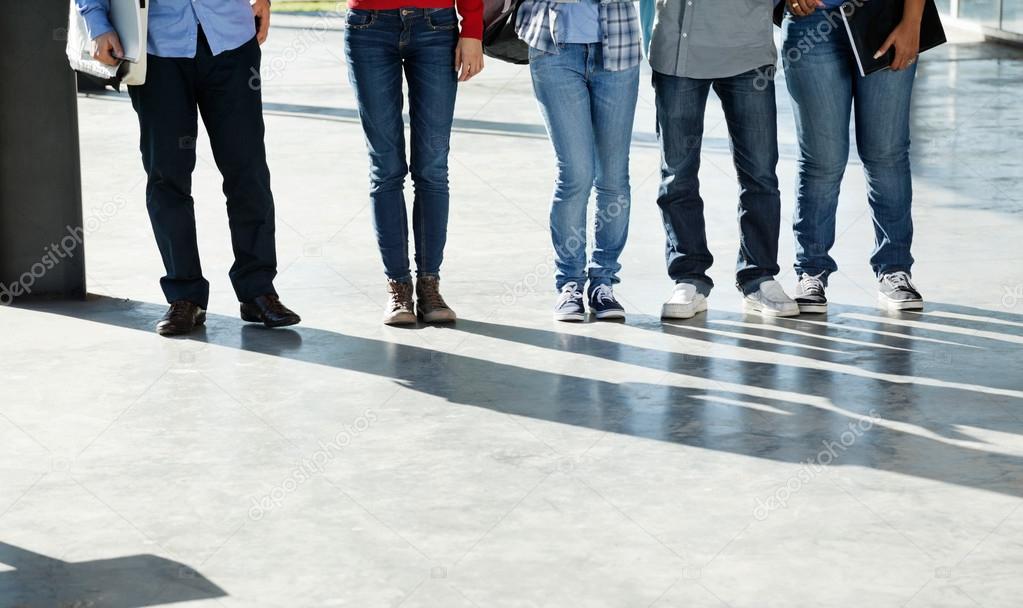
180,311
274,305
899,280
811,284
429,290
569,292
603,293
401,295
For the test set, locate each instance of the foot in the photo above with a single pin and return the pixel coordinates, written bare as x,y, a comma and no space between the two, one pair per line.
398,310
569,306
430,305
181,318
684,302
897,292
810,294
603,303
770,300
268,310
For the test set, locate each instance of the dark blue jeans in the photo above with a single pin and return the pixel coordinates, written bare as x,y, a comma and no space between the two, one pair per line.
176,92
589,113
379,46
825,85
749,105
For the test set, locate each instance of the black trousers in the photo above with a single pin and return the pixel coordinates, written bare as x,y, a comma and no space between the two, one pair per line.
224,90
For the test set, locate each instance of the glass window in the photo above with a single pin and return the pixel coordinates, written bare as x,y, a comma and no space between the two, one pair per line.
1012,16
981,11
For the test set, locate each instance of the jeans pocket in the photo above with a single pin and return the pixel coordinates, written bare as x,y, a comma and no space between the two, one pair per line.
442,19
358,19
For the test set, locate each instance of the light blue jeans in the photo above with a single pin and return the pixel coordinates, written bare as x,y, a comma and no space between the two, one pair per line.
825,86
589,113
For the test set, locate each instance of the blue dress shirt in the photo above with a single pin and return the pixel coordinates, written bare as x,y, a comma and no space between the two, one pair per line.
174,24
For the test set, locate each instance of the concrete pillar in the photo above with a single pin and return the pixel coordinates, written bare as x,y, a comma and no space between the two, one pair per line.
41,235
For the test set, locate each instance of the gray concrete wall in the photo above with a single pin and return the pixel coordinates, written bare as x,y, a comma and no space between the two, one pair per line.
41,244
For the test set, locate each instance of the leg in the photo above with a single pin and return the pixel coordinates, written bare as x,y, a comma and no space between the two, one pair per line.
232,111
168,125
432,84
882,137
559,83
374,69
819,79
680,108
613,107
752,118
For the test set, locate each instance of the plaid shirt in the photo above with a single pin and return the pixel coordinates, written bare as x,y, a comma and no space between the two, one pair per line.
619,25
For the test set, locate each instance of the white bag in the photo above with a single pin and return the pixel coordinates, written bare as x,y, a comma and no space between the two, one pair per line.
79,49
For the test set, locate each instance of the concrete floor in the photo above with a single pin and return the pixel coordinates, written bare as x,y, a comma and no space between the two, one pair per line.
857,459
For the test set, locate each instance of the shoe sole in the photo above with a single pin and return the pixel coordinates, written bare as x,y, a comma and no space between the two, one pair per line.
199,322
890,304
402,319
610,314
671,311
570,317
254,319
813,308
437,317
751,307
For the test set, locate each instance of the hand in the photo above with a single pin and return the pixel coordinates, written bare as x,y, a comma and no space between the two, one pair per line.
468,58
261,10
803,8
106,48
906,40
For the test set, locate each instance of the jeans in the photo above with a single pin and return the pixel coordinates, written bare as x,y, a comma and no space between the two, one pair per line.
589,113
825,85
176,92
749,105
379,45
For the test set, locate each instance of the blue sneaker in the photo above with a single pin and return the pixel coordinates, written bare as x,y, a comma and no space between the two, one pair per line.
603,303
569,306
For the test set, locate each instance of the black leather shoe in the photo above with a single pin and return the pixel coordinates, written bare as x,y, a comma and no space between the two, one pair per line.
269,311
181,318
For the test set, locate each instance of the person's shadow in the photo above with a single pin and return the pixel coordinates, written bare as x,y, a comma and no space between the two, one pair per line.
919,387
133,581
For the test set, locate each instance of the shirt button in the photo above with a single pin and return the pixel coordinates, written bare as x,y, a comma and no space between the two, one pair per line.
685,35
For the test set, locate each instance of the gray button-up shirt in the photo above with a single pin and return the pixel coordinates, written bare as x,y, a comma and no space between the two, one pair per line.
712,38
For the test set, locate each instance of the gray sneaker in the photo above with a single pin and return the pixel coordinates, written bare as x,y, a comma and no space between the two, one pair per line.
897,292
810,294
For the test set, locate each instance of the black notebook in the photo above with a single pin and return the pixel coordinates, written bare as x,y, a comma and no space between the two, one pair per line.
870,23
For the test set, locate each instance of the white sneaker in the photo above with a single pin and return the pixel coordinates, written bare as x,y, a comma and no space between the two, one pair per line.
684,302
770,300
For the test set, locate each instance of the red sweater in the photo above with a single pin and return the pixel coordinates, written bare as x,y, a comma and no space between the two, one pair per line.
471,11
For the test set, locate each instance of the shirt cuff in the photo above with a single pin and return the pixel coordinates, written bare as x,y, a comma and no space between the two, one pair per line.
97,23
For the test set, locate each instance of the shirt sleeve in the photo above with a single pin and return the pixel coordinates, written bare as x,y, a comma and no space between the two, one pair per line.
471,12
95,13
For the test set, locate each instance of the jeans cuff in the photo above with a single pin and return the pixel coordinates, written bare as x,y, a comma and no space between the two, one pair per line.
752,285
407,278
702,287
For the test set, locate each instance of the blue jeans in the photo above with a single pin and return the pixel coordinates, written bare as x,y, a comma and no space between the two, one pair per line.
379,45
589,113
821,75
749,105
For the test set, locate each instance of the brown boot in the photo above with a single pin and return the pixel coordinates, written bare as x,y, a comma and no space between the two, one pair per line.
399,305
430,305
